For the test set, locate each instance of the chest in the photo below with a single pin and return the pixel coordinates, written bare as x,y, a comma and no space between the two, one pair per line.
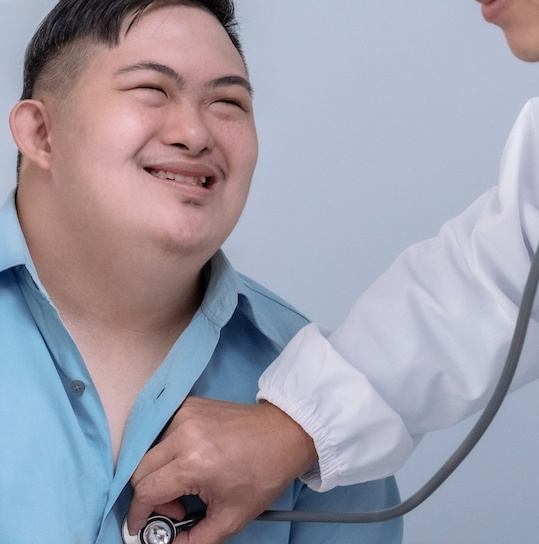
56,410
118,377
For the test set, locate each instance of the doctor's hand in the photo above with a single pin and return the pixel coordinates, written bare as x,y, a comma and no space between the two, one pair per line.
237,458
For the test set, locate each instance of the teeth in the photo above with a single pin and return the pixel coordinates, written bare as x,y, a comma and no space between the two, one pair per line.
201,181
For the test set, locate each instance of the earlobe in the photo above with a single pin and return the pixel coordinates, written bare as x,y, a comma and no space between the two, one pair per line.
29,122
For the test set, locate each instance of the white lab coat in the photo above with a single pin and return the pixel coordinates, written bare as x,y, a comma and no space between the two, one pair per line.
424,346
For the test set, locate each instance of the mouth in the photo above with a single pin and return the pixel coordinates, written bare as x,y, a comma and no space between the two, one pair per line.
199,181
492,9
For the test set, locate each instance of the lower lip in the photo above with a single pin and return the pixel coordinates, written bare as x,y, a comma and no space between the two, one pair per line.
492,10
197,189
192,192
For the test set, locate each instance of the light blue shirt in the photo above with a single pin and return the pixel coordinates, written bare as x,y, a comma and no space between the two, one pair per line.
57,479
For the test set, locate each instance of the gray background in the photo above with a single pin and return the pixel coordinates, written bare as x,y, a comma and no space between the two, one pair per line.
378,120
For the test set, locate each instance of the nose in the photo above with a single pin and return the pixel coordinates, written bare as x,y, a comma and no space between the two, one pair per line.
188,129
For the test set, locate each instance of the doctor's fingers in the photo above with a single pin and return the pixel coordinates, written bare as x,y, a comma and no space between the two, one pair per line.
185,462
229,507
162,478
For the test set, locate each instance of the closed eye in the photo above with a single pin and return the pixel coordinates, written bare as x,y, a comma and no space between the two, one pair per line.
152,88
230,101
235,102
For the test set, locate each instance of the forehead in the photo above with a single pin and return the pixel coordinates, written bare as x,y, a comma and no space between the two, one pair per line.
189,39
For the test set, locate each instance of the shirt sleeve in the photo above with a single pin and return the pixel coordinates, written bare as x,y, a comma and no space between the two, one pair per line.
424,346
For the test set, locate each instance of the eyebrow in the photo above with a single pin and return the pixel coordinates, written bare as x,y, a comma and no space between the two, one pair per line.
227,81
169,72
155,67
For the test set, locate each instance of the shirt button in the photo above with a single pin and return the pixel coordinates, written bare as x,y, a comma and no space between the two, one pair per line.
77,387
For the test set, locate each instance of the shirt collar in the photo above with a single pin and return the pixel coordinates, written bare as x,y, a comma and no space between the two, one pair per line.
224,287
228,292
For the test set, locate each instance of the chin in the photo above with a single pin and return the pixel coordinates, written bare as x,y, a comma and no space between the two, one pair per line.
526,50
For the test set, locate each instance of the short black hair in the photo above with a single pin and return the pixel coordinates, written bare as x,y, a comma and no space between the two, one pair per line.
98,22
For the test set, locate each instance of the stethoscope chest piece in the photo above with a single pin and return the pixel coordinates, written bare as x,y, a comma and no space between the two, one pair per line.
158,530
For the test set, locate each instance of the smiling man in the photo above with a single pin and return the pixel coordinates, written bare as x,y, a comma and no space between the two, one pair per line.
137,147
422,349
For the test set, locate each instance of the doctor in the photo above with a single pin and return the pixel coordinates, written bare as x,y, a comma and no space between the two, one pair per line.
421,350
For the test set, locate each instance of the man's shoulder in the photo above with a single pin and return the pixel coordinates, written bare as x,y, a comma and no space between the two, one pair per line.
264,296
272,312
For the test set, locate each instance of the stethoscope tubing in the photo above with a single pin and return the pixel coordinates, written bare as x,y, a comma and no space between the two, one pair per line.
469,442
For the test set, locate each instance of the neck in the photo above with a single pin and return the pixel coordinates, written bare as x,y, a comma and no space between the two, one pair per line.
113,283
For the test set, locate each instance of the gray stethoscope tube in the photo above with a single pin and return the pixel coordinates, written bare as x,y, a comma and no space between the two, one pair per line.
434,483
473,437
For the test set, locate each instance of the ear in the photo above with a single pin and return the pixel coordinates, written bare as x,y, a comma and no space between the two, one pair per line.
29,122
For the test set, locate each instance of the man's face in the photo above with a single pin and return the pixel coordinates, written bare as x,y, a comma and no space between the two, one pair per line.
156,142
519,20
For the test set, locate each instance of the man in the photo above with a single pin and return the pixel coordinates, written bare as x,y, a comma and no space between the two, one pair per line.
421,350
138,144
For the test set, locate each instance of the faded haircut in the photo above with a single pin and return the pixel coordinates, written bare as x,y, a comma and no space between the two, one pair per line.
64,40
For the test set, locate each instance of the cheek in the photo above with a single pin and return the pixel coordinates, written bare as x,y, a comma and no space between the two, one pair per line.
242,154
529,11
249,159
254,148
114,134
242,145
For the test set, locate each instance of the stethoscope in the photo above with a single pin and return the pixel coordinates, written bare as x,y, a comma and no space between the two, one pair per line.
163,530
159,530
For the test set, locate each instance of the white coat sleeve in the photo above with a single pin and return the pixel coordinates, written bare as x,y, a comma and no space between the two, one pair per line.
424,346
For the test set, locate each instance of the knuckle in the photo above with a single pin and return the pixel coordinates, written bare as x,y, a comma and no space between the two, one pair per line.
233,527
197,460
